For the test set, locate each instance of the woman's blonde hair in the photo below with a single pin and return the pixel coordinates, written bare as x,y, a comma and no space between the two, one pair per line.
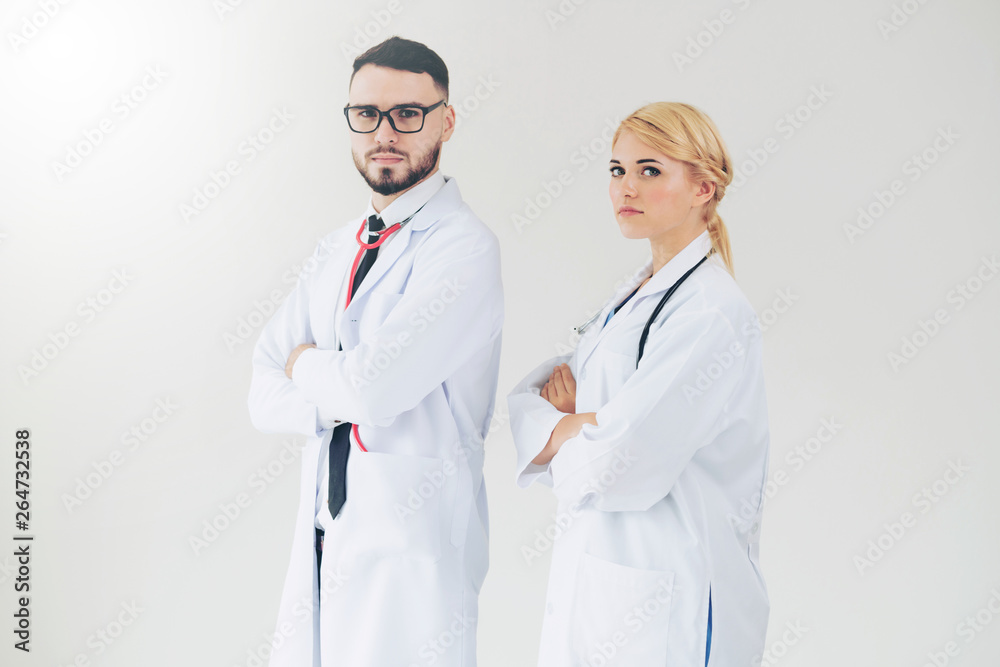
684,133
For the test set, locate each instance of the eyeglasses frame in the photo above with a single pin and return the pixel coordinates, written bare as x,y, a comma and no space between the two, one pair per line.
385,114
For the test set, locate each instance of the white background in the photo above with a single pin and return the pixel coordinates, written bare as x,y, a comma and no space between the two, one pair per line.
556,80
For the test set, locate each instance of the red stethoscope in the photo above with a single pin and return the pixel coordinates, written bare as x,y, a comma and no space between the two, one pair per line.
383,235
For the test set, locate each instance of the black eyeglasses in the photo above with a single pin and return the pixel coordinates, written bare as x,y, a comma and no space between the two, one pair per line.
405,119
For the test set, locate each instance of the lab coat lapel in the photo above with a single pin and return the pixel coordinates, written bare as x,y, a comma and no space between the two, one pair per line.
348,332
588,343
386,258
656,287
443,202
597,330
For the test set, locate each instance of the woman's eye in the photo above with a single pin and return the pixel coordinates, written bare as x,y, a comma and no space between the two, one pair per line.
651,171
617,171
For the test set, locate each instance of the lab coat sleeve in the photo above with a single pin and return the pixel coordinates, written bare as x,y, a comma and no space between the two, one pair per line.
452,307
672,405
276,404
532,419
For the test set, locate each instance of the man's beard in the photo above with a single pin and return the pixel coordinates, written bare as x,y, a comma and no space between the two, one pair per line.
385,185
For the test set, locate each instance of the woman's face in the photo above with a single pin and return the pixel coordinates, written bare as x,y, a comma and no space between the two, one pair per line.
651,194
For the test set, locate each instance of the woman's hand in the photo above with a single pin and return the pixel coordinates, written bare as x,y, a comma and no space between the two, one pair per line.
560,390
568,427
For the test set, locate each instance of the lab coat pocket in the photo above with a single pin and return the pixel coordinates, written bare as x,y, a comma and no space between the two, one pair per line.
393,507
621,614
374,312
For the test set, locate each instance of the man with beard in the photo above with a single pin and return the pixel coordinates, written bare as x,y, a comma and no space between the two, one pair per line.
385,356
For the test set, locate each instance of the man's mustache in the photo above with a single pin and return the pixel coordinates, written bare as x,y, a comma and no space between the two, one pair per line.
385,151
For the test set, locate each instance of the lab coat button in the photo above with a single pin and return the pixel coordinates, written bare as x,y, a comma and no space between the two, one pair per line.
754,528
549,609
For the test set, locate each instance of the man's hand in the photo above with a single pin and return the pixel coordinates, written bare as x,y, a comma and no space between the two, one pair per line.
560,390
295,355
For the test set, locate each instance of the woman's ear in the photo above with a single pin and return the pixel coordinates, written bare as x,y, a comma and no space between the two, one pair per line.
704,193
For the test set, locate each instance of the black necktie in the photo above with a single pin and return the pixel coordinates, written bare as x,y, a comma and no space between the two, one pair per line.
340,443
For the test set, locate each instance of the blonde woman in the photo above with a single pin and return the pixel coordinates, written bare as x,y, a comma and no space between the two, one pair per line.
653,435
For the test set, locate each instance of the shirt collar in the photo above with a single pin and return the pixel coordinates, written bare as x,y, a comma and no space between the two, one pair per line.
410,201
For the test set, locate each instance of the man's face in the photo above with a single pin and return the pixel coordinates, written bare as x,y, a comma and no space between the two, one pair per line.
391,161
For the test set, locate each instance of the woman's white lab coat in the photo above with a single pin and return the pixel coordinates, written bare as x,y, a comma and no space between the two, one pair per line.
661,501
404,560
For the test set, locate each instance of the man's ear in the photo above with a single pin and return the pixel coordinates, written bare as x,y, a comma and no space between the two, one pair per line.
449,122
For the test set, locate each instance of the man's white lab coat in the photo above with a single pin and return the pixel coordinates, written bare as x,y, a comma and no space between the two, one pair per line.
404,560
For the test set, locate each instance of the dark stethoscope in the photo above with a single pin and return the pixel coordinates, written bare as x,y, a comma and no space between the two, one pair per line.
659,307
656,311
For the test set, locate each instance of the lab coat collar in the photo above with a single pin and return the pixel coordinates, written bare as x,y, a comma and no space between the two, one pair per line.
438,203
668,274
410,201
661,281
678,265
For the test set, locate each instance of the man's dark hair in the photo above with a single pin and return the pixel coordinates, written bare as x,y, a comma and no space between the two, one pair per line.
408,56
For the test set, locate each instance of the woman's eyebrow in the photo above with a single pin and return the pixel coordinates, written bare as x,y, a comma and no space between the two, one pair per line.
614,161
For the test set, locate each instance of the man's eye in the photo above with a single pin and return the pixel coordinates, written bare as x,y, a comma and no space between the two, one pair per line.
366,113
408,113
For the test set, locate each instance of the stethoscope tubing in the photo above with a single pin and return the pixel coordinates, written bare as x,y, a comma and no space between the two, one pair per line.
383,235
659,307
